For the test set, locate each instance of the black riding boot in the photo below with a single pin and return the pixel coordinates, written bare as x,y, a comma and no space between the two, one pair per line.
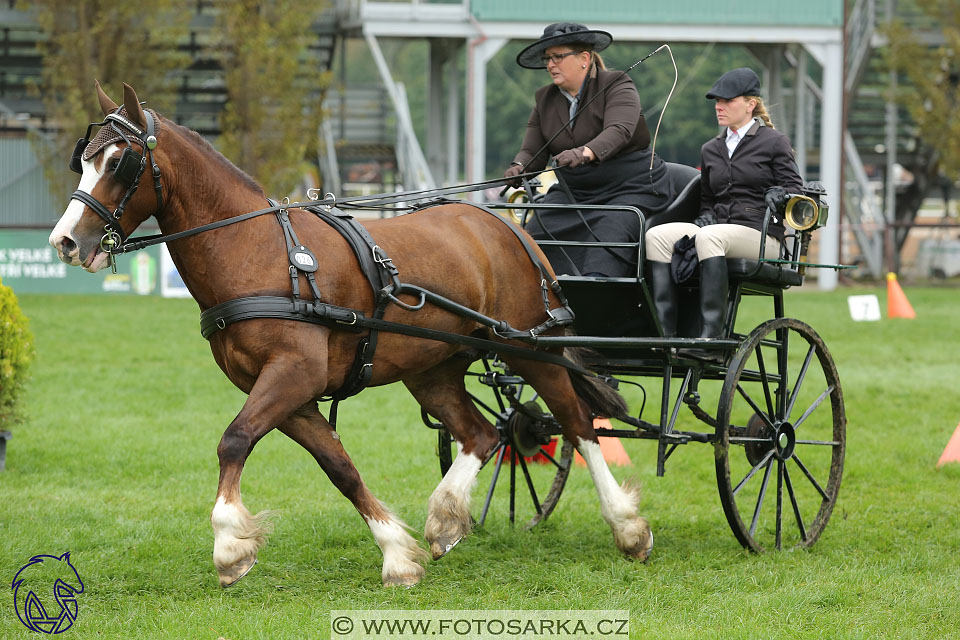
665,297
714,290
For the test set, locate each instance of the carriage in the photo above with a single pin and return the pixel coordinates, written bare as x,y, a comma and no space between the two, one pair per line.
453,291
780,405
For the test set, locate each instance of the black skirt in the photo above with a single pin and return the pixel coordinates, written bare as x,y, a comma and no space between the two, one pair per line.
624,180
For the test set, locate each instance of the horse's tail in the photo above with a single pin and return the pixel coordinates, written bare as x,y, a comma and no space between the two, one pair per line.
601,398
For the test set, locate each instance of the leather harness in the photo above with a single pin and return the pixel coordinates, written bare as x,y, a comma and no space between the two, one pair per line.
384,279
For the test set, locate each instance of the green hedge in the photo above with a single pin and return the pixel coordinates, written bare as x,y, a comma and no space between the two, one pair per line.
16,353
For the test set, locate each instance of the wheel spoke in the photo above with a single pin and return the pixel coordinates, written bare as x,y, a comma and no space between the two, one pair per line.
782,353
810,477
533,493
493,412
751,473
513,484
496,390
549,457
813,407
765,381
800,378
765,417
793,501
760,496
493,484
779,522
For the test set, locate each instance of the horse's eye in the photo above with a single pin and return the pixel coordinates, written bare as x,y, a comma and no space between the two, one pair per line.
112,163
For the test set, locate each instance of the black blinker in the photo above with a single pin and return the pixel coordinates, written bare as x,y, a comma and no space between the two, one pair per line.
128,167
78,155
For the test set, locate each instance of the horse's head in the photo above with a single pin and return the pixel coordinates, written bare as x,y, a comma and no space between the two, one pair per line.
107,205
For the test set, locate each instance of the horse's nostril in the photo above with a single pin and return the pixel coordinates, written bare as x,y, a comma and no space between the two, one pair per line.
67,245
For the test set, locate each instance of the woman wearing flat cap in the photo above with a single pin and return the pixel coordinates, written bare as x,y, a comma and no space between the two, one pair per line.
748,167
603,155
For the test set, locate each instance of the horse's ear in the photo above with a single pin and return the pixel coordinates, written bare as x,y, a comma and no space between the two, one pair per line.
132,104
106,104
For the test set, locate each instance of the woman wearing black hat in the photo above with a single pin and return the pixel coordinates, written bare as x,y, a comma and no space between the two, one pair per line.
603,156
748,167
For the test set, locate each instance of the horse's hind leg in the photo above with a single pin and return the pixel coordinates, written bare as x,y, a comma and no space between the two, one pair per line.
442,393
401,556
618,503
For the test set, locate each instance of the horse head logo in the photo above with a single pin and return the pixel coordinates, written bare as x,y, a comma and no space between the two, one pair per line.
34,581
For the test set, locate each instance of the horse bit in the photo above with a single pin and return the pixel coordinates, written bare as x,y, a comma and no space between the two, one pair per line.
128,172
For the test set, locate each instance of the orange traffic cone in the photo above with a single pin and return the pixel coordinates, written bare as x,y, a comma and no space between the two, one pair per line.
897,304
612,448
952,452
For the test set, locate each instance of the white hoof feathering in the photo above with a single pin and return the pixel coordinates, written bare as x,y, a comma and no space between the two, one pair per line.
618,505
448,517
401,556
237,538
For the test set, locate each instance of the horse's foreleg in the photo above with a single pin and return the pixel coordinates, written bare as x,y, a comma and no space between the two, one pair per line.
402,557
618,503
238,535
442,393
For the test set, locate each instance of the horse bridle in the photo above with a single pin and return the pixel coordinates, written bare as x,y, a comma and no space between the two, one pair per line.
128,171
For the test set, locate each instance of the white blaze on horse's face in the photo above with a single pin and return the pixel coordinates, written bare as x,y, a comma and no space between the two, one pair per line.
71,249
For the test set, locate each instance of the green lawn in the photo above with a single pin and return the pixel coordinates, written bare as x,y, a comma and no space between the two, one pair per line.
116,463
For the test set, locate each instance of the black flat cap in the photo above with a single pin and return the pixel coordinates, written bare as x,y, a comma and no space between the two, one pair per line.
562,33
732,84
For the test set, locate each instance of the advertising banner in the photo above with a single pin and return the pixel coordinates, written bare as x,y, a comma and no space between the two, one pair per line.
28,264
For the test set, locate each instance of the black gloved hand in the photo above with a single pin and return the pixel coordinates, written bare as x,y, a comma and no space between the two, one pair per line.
570,158
776,198
511,174
705,219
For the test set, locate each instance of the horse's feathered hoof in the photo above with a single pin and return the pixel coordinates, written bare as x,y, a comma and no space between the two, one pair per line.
231,576
635,539
401,581
439,548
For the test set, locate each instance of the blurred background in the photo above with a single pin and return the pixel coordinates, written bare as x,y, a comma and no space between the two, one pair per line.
358,97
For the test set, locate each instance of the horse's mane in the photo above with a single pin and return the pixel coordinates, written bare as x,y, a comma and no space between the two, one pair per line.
208,148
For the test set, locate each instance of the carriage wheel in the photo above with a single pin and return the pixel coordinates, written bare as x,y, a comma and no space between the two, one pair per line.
537,462
781,435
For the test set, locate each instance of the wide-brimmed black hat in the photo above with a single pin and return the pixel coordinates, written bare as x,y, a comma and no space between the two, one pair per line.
736,83
562,33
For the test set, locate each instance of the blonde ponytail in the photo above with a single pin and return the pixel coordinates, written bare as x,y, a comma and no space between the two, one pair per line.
760,111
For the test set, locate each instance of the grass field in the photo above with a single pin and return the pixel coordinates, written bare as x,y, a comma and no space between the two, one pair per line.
116,463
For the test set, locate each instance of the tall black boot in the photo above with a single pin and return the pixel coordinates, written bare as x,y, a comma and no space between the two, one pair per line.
714,291
666,297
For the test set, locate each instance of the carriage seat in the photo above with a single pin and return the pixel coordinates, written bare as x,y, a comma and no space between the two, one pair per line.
777,275
685,207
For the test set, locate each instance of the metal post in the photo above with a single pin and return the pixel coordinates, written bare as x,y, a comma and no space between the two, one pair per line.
479,53
831,145
800,101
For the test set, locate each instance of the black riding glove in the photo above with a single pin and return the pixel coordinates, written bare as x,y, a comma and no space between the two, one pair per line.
571,158
511,175
776,198
705,219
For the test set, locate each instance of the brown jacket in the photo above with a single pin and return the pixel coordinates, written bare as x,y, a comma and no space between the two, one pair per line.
611,125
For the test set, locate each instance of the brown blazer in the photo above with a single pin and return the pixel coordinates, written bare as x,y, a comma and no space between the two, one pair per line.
611,125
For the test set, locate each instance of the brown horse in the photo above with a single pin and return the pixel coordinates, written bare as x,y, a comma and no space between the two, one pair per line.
456,250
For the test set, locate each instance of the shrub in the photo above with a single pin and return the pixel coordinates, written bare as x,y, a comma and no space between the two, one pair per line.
16,352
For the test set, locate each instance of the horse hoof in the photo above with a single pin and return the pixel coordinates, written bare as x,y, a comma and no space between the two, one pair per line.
231,576
439,548
643,550
401,581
